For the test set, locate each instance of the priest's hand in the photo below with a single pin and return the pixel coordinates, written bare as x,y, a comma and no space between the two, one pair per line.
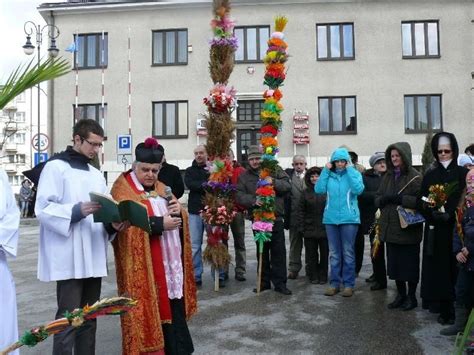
170,223
120,226
174,208
89,207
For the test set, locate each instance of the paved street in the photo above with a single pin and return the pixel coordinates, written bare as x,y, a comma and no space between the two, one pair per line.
236,321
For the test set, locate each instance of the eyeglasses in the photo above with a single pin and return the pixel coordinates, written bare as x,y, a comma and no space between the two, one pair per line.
95,145
445,151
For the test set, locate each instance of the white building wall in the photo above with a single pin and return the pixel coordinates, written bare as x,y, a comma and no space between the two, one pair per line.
378,76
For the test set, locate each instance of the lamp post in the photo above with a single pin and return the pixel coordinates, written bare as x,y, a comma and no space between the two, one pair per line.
52,32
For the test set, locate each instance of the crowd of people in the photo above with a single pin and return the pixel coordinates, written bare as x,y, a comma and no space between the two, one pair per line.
329,211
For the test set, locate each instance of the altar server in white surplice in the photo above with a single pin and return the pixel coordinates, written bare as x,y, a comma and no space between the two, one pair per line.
9,222
72,248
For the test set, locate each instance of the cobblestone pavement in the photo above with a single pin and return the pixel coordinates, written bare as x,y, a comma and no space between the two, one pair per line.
237,321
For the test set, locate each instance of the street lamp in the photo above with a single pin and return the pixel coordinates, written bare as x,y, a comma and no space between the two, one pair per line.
52,32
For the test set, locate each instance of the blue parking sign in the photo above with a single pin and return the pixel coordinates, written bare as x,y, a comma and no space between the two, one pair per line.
40,158
124,144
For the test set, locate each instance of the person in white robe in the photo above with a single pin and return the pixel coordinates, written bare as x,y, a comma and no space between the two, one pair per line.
72,248
9,223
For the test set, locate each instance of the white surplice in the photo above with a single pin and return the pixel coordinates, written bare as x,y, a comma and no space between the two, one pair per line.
9,223
69,251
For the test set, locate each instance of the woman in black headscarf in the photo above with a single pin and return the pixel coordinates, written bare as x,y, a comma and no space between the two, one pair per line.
438,275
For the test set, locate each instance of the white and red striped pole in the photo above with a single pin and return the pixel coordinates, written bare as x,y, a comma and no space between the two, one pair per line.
102,107
75,59
129,108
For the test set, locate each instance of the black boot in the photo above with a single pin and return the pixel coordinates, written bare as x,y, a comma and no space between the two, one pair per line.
410,303
459,323
397,302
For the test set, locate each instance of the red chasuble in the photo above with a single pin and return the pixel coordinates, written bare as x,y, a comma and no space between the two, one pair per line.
141,275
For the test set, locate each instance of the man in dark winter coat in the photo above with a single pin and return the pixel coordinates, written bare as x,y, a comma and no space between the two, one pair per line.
194,177
274,251
297,176
372,179
170,175
438,268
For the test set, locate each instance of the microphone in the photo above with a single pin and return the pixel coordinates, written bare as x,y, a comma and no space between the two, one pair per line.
168,194
169,198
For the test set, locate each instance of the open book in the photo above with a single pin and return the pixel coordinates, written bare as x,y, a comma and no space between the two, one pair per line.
127,210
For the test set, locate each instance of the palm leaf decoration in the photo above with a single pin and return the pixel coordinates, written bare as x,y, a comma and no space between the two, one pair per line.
29,75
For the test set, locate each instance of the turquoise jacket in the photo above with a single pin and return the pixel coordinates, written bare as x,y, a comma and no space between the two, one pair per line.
341,191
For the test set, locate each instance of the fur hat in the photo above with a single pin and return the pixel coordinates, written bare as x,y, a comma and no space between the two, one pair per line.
375,158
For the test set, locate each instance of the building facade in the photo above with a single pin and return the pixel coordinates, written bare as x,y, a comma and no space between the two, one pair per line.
361,73
18,127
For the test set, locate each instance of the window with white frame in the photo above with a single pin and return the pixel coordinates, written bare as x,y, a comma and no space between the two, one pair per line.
335,41
170,47
420,39
423,113
337,115
170,119
252,43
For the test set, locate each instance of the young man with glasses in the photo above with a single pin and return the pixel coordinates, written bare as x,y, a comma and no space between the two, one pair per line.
439,264
73,249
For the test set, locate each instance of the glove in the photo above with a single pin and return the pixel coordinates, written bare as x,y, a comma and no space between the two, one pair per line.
389,199
441,217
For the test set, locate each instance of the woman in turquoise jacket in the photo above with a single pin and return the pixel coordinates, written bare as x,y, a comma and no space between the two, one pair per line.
341,183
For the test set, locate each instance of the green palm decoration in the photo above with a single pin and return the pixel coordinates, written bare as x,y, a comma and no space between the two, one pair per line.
27,76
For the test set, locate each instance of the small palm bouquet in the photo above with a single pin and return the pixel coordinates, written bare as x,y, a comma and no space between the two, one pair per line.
439,194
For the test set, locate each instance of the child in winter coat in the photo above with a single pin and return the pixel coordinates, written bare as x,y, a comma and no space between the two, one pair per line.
463,248
310,223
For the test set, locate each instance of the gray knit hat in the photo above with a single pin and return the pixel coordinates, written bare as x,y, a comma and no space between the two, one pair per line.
375,158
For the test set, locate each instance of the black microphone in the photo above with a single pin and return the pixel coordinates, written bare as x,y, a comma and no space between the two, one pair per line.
169,198
168,194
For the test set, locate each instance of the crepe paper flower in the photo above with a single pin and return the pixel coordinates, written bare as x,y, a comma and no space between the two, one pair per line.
268,141
266,191
262,226
226,41
221,99
268,130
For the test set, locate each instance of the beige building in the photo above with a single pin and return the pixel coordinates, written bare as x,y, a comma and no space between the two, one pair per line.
361,73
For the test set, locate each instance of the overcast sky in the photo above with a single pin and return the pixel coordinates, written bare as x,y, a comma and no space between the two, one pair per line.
13,15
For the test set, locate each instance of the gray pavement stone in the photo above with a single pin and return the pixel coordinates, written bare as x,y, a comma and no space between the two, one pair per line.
237,321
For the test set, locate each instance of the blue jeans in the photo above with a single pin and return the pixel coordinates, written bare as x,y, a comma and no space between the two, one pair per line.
341,240
196,229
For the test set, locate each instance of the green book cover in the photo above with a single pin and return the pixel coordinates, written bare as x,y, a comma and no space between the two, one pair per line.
127,210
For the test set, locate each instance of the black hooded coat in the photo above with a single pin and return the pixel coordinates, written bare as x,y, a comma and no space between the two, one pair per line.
438,274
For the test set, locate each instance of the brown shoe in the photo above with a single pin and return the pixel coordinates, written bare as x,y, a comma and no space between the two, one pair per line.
331,291
348,292
292,275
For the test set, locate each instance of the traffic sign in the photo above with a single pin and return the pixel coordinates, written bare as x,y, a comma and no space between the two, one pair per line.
40,158
125,159
43,142
124,144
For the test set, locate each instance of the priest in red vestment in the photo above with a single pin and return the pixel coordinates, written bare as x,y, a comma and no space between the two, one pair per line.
156,269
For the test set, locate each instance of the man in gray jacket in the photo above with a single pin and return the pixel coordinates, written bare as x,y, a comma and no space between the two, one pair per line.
274,252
